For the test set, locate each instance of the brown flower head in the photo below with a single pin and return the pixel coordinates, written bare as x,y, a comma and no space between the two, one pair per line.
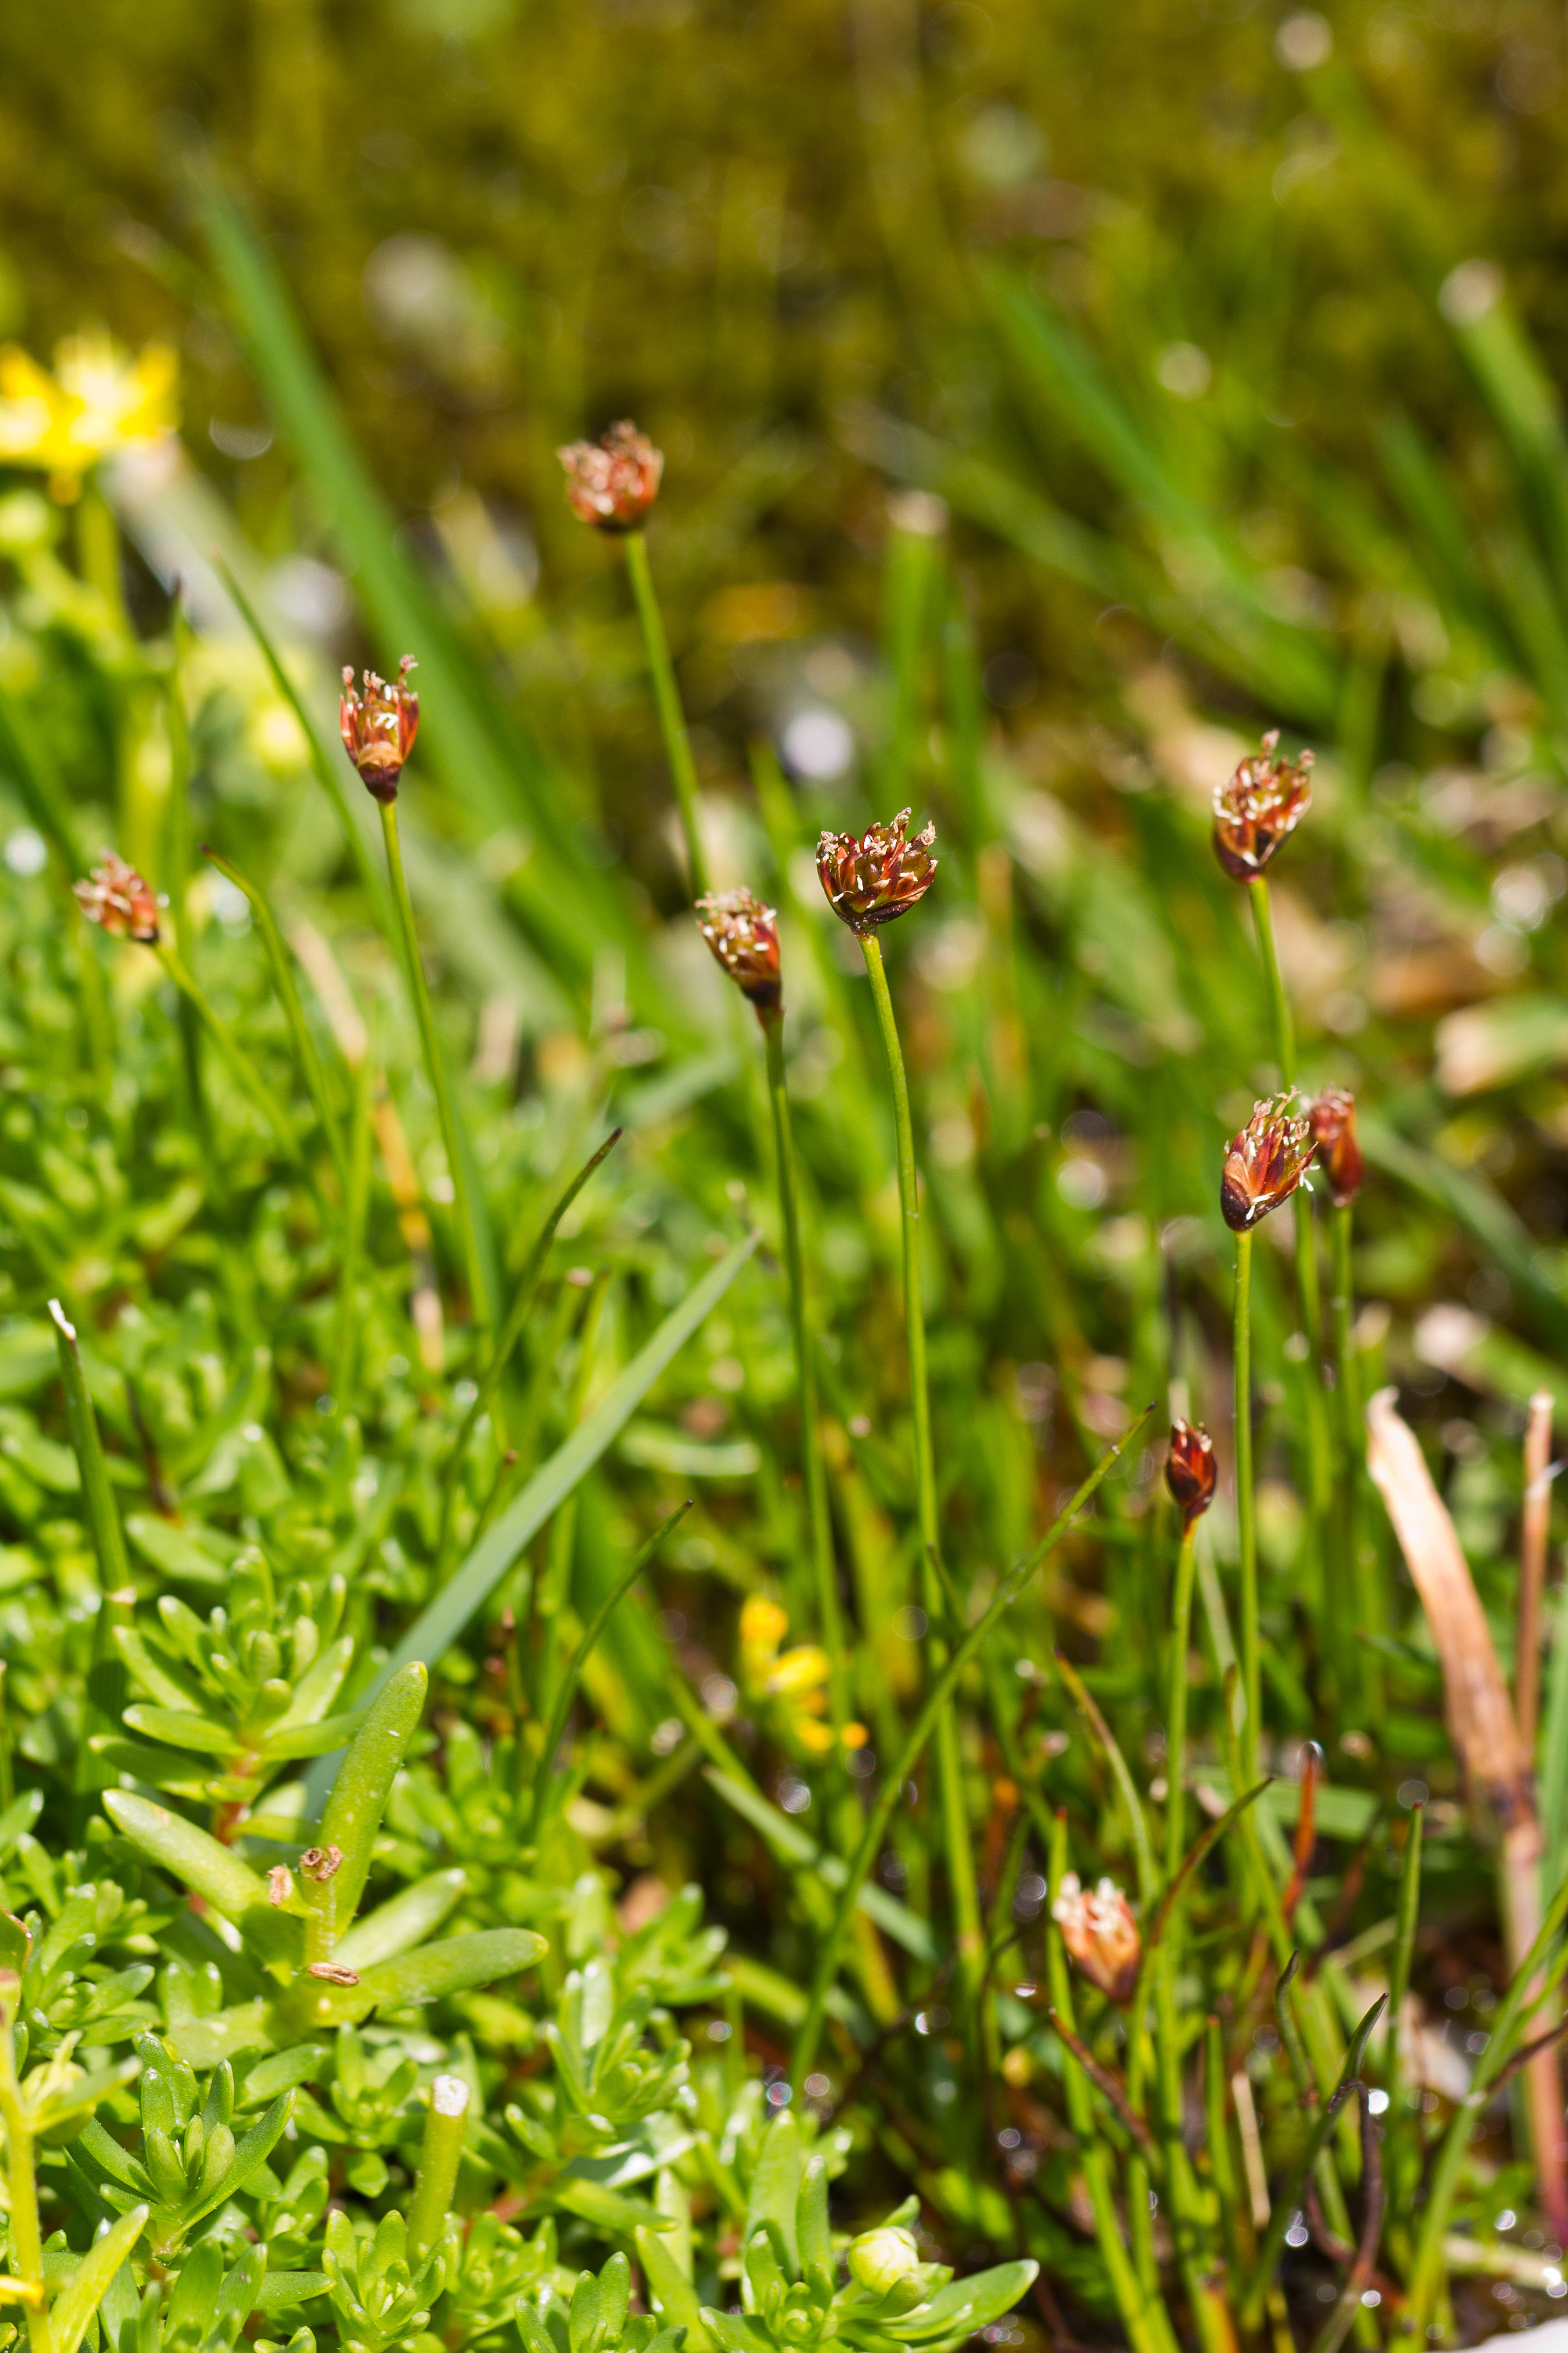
1189,1470
379,725
1264,1164
115,897
1332,1116
1101,1934
872,878
744,937
1266,799
612,483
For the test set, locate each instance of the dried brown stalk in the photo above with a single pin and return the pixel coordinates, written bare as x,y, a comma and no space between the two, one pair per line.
1486,1738
1534,1531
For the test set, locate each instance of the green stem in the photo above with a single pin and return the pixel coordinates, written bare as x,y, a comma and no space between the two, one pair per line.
667,699
950,1769
446,2124
812,1468
247,1077
104,1699
1362,1564
435,1070
553,1590
21,2181
174,868
1245,1520
357,1206
1143,2317
312,1069
1279,1003
1176,1708
889,1795
517,1316
1409,1914
566,1688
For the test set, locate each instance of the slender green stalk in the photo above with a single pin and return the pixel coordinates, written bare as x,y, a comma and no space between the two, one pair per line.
104,1699
474,1269
1221,2156
356,1209
666,698
566,1688
936,1701
1362,1563
1289,2199
965,1892
814,1470
1176,1705
1409,1914
1529,1986
248,1076
446,2124
312,1069
21,2181
1307,1300
552,1591
174,868
517,1316
1143,2317
1246,1516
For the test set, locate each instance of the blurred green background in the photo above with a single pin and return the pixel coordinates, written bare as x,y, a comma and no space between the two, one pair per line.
817,247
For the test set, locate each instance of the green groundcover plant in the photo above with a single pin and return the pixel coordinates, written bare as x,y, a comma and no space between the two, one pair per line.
621,1724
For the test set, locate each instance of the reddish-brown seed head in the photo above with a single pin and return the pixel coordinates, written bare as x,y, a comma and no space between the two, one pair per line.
873,878
1264,1164
1332,1116
1100,1935
378,726
1265,800
612,483
744,937
116,898
1189,1470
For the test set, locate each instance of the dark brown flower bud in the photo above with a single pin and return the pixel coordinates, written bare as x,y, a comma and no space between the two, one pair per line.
1265,1162
612,483
1265,800
378,728
1101,1934
744,937
1338,1153
115,897
322,1862
1189,1470
873,878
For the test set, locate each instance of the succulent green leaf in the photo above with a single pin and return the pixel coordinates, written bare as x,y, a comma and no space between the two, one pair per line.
964,2305
672,2292
82,2294
454,1966
180,1730
405,1921
354,1812
775,2185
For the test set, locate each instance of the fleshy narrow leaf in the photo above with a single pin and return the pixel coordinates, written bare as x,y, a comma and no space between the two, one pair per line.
405,1921
365,1779
454,1966
88,2284
441,1625
200,1862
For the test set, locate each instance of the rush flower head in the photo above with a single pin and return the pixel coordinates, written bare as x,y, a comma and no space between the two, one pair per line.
1264,1164
1100,1935
744,937
1265,800
1332,1116
1189,1470
612,483
379,725
115,897
797,1679
872,878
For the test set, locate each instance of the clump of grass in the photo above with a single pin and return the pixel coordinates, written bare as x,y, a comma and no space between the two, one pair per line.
440,1902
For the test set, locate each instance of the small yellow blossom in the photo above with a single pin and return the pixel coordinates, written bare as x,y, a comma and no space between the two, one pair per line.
798,1679
98,399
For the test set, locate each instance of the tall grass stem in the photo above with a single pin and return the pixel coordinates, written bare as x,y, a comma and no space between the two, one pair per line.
1245,1516
666,699
964,1891
474,1269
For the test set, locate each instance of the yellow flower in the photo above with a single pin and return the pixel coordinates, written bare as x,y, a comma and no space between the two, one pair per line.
798,1679
100,399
